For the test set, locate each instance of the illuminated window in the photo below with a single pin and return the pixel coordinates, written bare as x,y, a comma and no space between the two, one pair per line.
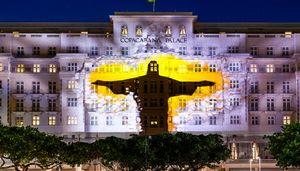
36,51
20,51
286,87
72,66
20,87
254,87
212,51
35,87
36,68
234,84
197,51
254,51
254,120
124,31
168,31
52,68
235,120
285,68
288,34
109,105
233,49
124,51
72,102
254,104
153,67
20,105
286,120
234,154
1,49
182,68
253,68
182,104
270,87
212,104
109,51
124,120
153,122
271,120
109,120
197,120
182,120
212,120
94,120
270,68
72,84
51,105
71,120
182,51
52,120
235,101
270,51
72,49
20,68
94,51
19,121
197,103
35,105
51,51
270,104
286,104
35,120
1,67
285,51
139,31
255,151
182,32
234,67
212,68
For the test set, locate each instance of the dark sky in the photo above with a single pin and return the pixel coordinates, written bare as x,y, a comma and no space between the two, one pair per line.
98,10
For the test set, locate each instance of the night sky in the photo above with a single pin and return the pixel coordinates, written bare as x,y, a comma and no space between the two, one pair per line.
98,10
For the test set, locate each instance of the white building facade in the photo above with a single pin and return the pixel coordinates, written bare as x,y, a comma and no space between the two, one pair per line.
45,72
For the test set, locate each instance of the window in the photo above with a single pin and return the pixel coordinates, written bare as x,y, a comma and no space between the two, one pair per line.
51,105
234,67
197,120
72,49
271,120
1,49
182,32
254,87
109,51
124,51
235,120
94,120
124,120
1,87
212,68
285,68
285,51
51,120
212,104
197,103
35,87
254,51
234,84
286,87
254,104
182,120
0,103
212,51
35,105
51,51
286,104
153,87
254,120
19,121
51,87
20,87
138,31
153,102
269,51
153,67
20,51
1,67
109,121
71,120
20,68
286,120
233,49
36,68
270,87
36,51
197,51
235,101
109,105
197,67
52,68
124,31
182,51
182,105
270,68
270,104
168,31
72,66
20,105
253,68
35,120
94,51
212,120
72,102
72,84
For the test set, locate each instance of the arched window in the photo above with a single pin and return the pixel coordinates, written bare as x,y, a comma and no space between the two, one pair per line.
182,32
138,31
168,30
124,31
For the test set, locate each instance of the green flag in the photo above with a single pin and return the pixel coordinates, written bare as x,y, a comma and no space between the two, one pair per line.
151,1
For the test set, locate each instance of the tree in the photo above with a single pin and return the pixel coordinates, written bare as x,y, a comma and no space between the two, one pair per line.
26,146
285,146
78,153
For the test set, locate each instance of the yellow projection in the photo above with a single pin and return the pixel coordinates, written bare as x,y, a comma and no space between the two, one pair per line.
169,66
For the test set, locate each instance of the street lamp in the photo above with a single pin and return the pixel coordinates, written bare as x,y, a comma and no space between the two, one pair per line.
251,160
259,163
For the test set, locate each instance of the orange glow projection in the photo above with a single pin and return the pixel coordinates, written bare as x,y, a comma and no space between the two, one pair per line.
169,66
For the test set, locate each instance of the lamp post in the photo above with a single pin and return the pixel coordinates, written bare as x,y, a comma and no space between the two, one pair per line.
259,163
251,160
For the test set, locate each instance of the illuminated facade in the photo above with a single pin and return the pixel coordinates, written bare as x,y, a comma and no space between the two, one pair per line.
149,73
